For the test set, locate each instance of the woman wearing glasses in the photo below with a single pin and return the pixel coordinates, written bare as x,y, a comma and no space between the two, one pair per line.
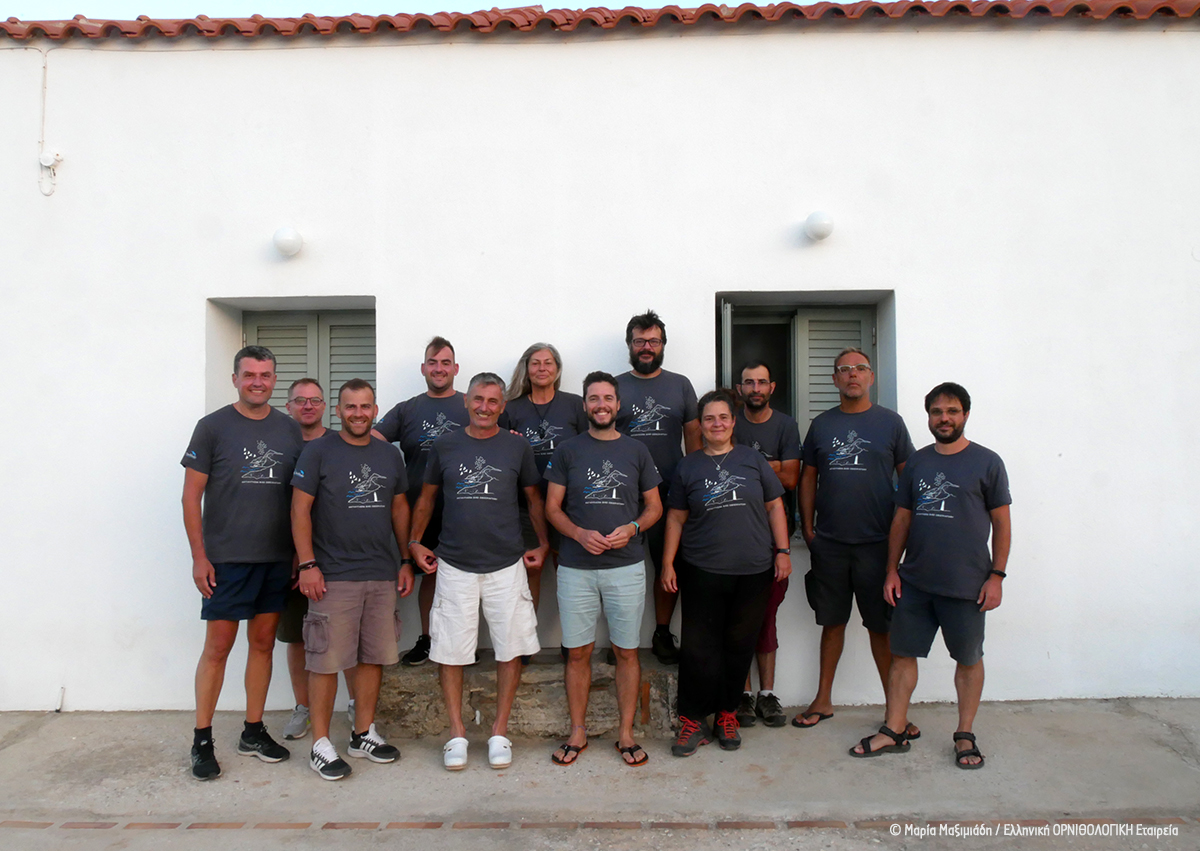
726,543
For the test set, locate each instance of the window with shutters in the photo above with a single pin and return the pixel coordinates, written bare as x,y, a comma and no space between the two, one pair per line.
330,346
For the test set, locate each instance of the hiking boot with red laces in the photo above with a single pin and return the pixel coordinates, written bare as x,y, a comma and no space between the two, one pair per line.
728,736
692,734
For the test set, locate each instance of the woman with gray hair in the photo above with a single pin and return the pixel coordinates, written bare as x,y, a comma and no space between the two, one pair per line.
545,416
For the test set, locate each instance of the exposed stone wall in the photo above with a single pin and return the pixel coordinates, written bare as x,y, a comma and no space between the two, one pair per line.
410,700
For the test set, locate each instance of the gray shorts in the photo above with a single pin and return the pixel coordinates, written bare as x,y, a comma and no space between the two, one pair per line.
918,616
354,622
842,573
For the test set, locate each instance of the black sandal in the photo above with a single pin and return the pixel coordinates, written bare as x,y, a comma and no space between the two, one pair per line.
568,749
901,744
971,751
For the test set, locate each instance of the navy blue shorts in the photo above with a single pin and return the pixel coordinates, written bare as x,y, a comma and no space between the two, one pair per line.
246,590
919,614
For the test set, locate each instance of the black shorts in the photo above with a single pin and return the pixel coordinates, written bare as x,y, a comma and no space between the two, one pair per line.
842,573
918,616
246,590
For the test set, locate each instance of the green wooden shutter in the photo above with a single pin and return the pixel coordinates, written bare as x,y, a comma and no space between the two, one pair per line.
820,334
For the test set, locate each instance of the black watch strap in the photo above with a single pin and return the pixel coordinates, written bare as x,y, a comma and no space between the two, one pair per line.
999,573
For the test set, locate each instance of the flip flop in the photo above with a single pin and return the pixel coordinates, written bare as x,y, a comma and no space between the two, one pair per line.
820,716
567,748
631,750
971,751
901,745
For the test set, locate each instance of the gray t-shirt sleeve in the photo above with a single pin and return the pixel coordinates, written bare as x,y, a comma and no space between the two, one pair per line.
433,467
389,426
790,442
198,456
307,476
649,478
903,446
529,471
771,486
691,407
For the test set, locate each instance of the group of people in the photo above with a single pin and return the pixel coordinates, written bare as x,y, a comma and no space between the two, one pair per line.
488,486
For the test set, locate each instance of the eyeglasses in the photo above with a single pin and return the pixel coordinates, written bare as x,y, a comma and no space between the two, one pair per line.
651,343
305,401
847,368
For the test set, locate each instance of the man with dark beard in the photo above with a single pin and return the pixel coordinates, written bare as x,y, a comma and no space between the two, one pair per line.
662,414
776,436
952,496
603,497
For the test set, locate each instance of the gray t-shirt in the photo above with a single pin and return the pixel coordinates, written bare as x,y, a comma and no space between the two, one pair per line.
778,439
856,456
416,423
654,410
353,488
247,500
545,426
480,480
951,497
727,529
605,480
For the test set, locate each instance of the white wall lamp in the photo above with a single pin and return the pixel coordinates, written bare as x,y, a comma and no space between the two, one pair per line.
818,225
288,241
48,180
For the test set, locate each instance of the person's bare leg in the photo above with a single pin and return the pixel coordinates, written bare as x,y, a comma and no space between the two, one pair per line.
629,678
322,689
366,681
968,682
260,632
534,577
451,677
579,683
902,680
351,688
297,673
766,672
508,677
664,605
425,599
210,670
881,651
833,639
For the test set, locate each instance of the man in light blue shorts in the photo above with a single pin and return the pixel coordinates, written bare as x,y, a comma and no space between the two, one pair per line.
596,483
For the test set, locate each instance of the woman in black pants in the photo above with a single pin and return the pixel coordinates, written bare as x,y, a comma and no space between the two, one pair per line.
726,542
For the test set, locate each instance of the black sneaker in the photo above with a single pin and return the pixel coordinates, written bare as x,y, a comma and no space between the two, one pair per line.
664,648
204,761
419,654
692,734
370,745
769,709
726,728
261,745
325,761
745,710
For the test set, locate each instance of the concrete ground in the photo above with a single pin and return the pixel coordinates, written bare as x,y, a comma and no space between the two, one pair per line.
121,780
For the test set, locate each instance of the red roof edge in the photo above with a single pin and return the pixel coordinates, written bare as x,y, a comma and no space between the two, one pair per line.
533,18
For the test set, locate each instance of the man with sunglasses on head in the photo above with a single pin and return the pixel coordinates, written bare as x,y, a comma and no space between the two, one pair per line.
660,411
850,454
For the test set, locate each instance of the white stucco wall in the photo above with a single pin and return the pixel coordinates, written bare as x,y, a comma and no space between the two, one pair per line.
1029,193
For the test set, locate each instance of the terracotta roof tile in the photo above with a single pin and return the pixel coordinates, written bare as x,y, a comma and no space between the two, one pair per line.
531,18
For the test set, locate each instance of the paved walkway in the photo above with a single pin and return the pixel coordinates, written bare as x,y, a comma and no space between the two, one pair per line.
1092,774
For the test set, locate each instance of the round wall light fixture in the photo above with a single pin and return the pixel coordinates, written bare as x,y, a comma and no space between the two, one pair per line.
818,225
288,241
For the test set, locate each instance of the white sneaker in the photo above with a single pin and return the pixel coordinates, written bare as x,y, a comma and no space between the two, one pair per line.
297,727
325,761
499,752
350,715
454,754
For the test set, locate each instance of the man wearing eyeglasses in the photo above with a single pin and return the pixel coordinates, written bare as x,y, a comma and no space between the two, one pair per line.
306,405
850,455
777,437
661,413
